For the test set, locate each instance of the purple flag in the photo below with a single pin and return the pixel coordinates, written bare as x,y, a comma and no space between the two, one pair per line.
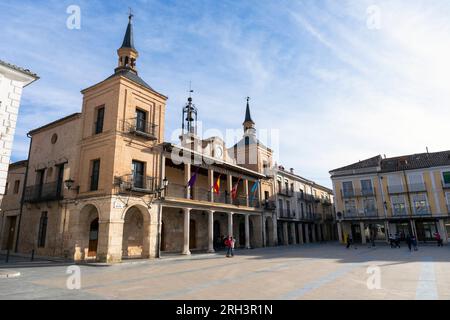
193,179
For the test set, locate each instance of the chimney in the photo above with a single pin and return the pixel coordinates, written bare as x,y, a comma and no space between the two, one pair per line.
292,170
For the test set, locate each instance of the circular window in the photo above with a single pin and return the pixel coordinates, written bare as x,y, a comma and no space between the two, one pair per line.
54,138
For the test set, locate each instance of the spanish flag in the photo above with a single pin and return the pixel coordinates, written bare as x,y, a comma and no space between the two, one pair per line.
217,185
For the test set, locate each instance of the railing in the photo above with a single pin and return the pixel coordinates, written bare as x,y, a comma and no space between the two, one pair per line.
326,202
355,193
45,192
202,194
309,198
287,214
286,192
350,213
137,183
421,211
141,128
396,189
370,213
269,205
417,187
400,212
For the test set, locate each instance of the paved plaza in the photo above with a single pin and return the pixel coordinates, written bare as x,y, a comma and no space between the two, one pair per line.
314,271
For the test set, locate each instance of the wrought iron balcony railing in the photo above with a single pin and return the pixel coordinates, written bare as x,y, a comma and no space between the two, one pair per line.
269,205
355,193
45,192
141,128
287,214
396,189
286,192
417,187
137,183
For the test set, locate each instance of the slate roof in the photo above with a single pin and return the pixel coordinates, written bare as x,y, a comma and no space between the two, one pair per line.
408,162
128,40
130,75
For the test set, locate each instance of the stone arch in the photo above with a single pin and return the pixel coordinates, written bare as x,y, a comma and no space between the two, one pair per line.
136,232
88,233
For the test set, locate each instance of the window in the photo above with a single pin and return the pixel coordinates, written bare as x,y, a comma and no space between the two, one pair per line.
59,181
420,204
395,184
302,194
141,120
350,207
348,188
6,188
286,186
288,208
446,178
398,205
292,187
16,186
279,186
40,181
369,206
138,174
266,195
95,173
100,119
416,183
366,187
42,229
303,209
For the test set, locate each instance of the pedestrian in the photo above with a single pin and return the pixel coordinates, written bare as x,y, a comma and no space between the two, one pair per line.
391,240
409,242
397,240
414,242
229,243
438,239
349,241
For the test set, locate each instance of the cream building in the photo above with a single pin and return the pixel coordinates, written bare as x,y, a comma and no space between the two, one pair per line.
12,81
304,209
405,195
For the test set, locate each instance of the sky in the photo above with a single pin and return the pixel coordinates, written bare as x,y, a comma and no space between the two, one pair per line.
341,81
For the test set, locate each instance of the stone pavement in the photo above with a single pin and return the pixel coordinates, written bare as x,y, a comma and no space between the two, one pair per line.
314,271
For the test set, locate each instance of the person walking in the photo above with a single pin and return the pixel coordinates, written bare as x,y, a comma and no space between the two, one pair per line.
409,242
349,241
397,240
229,243
438,239
414,242
391,240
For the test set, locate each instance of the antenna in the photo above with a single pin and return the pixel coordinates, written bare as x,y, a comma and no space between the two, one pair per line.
190,89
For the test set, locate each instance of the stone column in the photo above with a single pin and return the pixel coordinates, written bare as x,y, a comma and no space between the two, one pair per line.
307,232
210,231
285,234
187,177
300,233
230,224
294,238
211,184
443,231
247,231
246,192
187,220
413,228
363,232
339,230
386,230
275,231
110,236
313,232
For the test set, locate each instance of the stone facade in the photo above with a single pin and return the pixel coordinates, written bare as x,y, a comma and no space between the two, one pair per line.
12,81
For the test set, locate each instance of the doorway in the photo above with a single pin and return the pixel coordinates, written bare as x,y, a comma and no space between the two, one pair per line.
11,223
93,238
192,235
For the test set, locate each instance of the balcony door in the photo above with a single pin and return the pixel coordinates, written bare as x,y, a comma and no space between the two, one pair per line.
138,174
141,120
59,182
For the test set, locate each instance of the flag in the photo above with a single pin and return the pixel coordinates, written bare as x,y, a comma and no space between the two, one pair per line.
217,185
193,179
234,190
253,191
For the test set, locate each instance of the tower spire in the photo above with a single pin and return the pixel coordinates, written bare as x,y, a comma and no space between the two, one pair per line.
127,52
249,124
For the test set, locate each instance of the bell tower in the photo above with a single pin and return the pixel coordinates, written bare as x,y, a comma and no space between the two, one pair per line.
127,52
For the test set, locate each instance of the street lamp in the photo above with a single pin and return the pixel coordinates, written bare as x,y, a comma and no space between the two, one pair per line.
69,183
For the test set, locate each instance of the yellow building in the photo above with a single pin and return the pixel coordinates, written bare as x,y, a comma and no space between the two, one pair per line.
404,195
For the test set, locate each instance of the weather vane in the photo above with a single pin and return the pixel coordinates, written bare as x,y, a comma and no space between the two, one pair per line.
190,89
130,13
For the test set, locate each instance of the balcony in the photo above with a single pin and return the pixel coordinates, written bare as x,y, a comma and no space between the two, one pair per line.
309,198
201,194
137,183
417,187
287,214
356,193
45,192
421,211
286,192
371,213
326,202
396,189
346,194
269,205
350,213
141,128
367,192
